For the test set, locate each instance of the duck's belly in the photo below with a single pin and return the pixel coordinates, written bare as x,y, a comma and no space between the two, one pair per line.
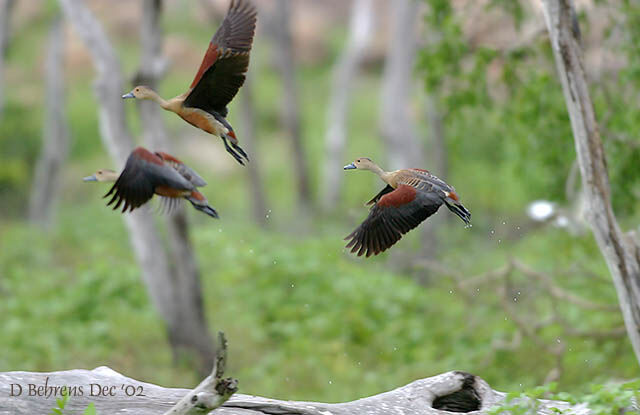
204,121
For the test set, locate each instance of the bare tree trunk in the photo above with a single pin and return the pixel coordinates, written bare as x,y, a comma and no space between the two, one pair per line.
248,120
291,103
55,133
147,245
193,334
6,7
344,74
403,149
621,251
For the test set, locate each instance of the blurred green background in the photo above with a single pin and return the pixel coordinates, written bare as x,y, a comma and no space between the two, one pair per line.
304,318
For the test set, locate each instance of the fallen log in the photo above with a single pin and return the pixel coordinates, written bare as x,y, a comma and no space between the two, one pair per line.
114,394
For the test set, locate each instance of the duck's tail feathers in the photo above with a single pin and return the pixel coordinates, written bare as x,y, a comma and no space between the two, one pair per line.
457,208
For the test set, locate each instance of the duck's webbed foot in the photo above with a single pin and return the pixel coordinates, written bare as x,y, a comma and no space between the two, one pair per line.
231,151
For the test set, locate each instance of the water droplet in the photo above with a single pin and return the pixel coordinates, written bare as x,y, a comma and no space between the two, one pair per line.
330,382
558,340
293,285
450,291
515,299
492,232
251,251
504,222
499,240
219,229
275,262
518,228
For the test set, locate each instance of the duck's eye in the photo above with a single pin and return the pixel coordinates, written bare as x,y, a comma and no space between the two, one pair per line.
358,160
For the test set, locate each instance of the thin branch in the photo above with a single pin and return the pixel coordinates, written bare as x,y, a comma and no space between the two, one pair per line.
212,392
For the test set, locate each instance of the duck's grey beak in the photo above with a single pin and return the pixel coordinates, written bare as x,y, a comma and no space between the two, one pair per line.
91,178
129,95
350,166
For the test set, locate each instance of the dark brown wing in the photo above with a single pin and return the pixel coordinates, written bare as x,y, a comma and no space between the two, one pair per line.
184,170
379,195
395,214
142,174
223,68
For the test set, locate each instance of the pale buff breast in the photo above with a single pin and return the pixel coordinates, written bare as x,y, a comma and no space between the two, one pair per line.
203,120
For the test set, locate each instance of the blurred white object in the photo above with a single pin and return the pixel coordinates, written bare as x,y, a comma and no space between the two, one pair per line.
541,210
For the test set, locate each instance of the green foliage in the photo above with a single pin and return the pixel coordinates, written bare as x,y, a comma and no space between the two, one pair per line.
19,144
507,106
61,403
90,410
607,399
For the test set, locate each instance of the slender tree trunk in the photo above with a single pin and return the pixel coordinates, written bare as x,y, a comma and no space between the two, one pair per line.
6,7
147,245
403,148
193,335
55,133
344,74
621,251
291,103
248,123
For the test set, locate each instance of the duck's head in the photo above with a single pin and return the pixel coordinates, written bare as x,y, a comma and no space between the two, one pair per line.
361,163
102,175
140,92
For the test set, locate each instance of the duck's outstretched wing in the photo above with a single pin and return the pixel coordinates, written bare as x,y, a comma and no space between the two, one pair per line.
184,170
222,71
143,174
394,214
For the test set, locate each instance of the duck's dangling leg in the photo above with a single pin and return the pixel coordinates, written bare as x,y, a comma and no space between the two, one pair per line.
239,150
231,151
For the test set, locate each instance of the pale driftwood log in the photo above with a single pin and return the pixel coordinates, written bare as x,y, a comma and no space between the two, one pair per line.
55,133
621,251
6,7
192,335
343,77
438,395
403,148
145,240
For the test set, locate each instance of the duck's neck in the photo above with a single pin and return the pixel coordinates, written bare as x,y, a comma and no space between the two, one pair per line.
385,176
110,176
153,96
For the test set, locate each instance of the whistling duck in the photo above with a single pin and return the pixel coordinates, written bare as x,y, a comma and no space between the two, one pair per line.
410,197
146,174
221,74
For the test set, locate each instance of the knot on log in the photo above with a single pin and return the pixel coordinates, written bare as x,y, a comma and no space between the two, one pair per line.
466,399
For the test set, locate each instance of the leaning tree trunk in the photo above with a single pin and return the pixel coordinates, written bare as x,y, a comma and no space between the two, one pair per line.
147,245
621,251
291,104
344,74
194,333
55,133
403,148
6,7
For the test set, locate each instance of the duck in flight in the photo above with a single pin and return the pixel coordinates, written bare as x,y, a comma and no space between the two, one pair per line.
410,197
221,74
146,174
